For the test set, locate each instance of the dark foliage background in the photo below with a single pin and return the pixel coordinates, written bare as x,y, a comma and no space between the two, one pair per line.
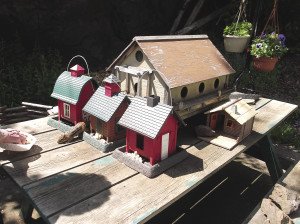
38,37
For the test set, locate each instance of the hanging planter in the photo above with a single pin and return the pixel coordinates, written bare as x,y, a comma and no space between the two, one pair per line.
237,35
264,64
267,49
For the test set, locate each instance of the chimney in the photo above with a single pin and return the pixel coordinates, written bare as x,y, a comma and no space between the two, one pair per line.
152,100
77,71
111,85
234,109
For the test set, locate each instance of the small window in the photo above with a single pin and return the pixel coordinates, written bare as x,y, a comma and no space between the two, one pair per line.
201,87
184,92
135,88
140,141
139,56
216,83
229,124
66,110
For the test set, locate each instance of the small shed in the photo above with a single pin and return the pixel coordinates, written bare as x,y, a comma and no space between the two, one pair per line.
105,108
151,129
185,71
73,90
232,121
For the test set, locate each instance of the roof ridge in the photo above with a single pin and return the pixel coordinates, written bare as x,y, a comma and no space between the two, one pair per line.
169,37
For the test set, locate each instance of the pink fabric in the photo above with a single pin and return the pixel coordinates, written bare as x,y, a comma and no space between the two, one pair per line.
12,136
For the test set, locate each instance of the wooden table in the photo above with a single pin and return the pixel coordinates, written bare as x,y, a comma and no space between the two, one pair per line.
75,183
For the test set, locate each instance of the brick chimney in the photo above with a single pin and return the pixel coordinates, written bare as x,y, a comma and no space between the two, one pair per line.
77,71
111,85
152,100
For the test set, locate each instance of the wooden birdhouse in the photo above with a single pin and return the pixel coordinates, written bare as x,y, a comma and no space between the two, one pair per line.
73,89
185,71
151,129
232,122
105,108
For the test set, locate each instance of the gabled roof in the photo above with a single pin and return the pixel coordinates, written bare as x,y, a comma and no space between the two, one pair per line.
68,88
102,106
143,119
181,59
238,110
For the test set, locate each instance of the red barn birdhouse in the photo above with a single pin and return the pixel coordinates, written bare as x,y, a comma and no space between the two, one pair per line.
73,89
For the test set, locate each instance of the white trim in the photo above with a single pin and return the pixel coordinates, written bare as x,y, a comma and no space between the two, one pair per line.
66,108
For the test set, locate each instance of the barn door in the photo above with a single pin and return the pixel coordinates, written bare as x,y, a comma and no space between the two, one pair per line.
164,146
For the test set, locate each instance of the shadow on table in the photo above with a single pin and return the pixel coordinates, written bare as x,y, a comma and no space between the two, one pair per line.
234,188
69,194
191,164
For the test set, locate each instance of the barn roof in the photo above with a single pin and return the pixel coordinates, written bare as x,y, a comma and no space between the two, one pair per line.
102,106
143,119
181,59
238,110
68,88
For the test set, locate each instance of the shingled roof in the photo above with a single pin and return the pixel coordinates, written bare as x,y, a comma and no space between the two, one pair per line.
181,59
102,106
239,110
143,119
68,88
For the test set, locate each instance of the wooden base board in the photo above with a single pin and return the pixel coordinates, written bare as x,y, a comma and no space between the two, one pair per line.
222,141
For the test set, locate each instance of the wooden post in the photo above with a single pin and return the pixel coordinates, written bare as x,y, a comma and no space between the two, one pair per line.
127,83
149,84
139,91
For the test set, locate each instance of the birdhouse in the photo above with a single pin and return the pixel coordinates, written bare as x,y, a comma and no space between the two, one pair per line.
232,122
72,89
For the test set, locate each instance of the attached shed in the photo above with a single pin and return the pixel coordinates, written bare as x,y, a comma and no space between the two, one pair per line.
151,129
73,90
185,71
106,107
232,121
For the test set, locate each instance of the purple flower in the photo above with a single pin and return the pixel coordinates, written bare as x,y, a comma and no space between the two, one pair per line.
263,35
282,39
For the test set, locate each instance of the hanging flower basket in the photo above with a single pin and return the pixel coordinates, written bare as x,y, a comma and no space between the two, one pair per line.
236,44
266,50
264,64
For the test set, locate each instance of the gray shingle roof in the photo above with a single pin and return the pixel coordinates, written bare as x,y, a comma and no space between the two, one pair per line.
103,107
68,88
143,119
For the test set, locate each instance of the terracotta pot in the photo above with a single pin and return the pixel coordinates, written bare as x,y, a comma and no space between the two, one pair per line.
236,44
264,64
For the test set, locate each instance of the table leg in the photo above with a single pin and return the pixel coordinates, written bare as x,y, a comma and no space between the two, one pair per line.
270,158
27,209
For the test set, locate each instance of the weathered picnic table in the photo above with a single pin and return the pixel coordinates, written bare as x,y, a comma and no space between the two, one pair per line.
75,183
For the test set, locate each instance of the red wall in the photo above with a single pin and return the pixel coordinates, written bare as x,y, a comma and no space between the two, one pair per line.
152,147
76,110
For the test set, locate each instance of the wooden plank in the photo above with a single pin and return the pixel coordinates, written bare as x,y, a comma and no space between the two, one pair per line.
140,198
199,23
43,144
37,105
14,109
65,189
32,126
42,165
195,12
